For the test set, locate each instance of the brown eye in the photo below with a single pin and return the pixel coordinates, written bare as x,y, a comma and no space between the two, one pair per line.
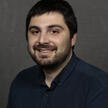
54,32
34,32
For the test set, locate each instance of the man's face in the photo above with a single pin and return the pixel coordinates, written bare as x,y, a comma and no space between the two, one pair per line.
49,40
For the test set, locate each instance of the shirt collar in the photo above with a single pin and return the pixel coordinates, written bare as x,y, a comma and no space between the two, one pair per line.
64,74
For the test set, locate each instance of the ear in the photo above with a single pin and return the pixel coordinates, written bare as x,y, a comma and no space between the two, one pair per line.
73,41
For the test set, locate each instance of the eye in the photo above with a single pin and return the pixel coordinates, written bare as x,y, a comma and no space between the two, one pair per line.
34,32
54,31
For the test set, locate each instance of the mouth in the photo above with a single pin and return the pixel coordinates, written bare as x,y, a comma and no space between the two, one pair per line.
45,53
44,48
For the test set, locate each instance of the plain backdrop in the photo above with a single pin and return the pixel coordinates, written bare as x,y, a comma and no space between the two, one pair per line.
92,39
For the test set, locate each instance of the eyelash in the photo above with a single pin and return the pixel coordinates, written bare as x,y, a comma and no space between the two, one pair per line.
34,32
51,31
55,31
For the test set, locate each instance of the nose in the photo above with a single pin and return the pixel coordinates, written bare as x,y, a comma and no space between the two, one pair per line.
43,38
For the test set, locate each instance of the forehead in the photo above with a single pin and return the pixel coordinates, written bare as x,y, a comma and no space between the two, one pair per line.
51,18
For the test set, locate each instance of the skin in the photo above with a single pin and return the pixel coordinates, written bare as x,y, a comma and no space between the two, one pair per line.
49,43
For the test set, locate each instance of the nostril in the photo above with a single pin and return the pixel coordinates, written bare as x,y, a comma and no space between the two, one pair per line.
43,39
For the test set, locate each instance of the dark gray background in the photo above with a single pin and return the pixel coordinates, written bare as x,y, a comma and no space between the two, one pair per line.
92,40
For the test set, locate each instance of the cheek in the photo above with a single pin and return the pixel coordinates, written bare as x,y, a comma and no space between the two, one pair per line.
64,43
31,41
30,45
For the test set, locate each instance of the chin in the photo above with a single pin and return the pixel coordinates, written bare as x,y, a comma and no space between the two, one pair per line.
45,62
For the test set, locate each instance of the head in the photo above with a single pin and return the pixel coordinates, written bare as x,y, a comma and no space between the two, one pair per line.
51,29
61,6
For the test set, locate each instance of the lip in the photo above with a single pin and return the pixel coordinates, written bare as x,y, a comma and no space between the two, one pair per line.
44,53
45,50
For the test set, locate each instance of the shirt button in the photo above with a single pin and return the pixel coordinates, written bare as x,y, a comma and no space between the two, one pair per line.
46,94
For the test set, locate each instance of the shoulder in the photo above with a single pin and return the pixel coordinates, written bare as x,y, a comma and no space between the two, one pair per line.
93,80
26,77
92,73
29,72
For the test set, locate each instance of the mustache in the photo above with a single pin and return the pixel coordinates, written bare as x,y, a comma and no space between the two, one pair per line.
40,47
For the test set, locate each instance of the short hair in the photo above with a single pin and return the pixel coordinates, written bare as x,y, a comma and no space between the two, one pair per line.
61,6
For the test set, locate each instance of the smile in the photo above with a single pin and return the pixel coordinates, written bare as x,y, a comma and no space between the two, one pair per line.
44,50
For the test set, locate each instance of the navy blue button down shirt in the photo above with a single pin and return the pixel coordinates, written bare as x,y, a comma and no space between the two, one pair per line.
79,85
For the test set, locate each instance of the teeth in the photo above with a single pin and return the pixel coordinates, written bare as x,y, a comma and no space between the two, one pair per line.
44,50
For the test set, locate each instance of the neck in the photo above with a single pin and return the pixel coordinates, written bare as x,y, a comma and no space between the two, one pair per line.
51,73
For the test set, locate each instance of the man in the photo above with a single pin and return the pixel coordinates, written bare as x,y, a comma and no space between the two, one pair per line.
60,79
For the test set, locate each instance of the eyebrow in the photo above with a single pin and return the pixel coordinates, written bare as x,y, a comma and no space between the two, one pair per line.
50,26
55,25
33,27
